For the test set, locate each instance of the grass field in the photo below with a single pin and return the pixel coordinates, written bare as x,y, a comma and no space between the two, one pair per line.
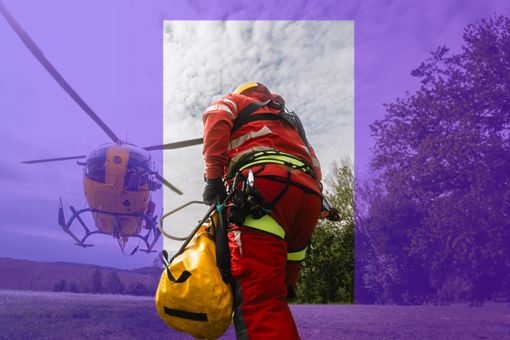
40,315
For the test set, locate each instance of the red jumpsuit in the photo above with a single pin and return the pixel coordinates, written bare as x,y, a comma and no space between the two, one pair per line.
265,253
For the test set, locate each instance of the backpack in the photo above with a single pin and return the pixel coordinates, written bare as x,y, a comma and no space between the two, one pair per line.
192,296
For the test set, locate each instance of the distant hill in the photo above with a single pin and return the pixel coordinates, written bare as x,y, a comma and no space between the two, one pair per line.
43,276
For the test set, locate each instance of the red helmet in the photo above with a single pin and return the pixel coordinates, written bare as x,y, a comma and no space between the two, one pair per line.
256,91
278,99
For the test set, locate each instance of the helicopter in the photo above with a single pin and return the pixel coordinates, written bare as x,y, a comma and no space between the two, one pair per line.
118,177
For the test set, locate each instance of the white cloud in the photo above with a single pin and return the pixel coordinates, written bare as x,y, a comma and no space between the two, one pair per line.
310,63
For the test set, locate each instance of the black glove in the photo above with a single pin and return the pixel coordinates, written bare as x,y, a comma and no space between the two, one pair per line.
214,189
329,211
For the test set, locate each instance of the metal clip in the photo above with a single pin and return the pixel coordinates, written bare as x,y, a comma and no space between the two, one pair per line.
251,179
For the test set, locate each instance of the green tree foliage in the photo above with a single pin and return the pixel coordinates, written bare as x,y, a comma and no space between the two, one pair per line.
113,283
327,274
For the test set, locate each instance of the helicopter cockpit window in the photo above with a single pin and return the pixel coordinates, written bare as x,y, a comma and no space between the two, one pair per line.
95,170
138,174
95,164
139,155
138,170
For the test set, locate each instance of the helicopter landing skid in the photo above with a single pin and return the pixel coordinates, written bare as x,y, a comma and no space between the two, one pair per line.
150,222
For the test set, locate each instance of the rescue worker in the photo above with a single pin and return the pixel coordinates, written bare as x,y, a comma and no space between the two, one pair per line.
246,131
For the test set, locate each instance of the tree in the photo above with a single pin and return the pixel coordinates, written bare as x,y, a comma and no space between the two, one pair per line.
442,165
73,288
113,283
327,274
96,281
155,274
138,289
60,286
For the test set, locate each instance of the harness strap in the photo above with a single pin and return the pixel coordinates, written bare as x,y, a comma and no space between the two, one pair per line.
245,115
281,193
296,184
273,157
266,223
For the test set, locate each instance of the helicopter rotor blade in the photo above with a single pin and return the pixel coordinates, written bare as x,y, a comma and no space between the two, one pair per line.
38,54
175,145
168,185
53,159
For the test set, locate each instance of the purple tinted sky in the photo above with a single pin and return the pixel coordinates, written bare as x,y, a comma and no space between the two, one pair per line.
111,52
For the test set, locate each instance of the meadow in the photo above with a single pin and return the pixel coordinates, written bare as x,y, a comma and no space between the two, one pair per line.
48,315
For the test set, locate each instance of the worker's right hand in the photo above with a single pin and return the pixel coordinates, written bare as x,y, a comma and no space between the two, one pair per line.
324,214
214,189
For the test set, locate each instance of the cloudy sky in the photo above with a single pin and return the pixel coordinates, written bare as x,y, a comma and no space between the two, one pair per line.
310,63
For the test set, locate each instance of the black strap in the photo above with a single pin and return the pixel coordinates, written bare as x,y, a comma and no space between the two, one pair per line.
221,244
245,115
252,118
294,121
184,275
185,314
282,192
293,183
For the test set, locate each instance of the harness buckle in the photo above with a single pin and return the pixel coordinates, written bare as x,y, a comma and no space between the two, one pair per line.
254,200
246,200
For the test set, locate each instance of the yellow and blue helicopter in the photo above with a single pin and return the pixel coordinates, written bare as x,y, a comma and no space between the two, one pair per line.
118,177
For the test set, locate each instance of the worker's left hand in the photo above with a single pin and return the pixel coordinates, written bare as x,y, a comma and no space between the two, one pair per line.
214,189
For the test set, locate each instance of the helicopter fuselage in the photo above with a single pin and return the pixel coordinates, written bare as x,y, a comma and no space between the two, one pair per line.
117,181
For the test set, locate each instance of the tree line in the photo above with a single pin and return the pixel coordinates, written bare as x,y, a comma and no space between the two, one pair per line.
98,283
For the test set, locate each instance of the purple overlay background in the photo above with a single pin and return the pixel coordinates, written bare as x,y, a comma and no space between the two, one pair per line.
111,53
432,178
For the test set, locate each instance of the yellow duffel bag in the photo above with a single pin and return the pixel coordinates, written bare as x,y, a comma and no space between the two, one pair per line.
192,296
